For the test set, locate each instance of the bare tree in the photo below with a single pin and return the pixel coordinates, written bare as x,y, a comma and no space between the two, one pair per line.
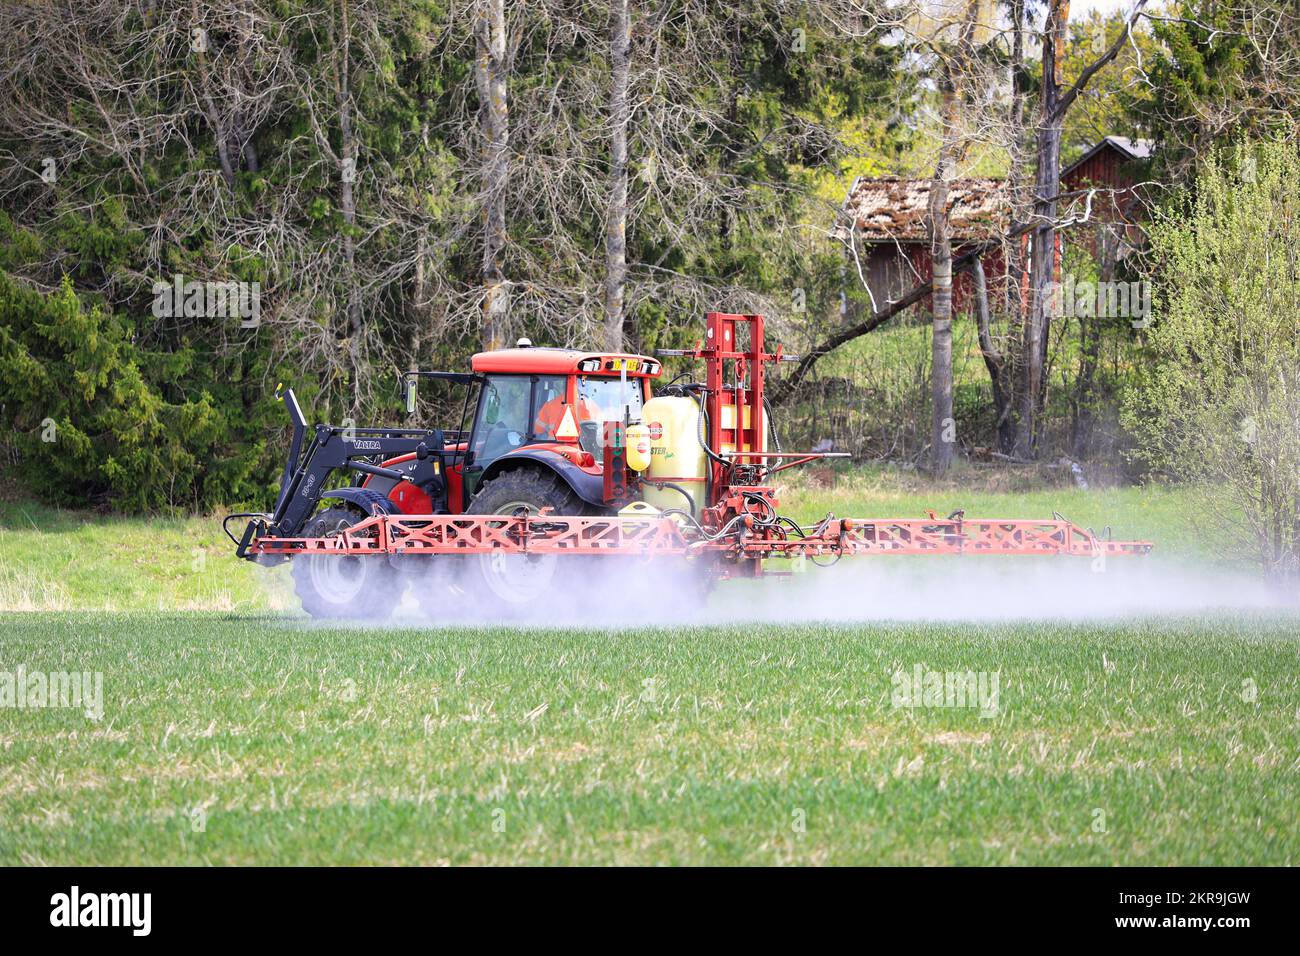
954,64
1053,105
494,119
1000,360
620,55
346,160
691,165
994,360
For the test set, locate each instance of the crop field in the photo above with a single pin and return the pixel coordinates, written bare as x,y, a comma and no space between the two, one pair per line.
229,729
247,739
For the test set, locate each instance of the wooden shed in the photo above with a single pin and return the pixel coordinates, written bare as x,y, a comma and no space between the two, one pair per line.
890,236
1114,169
884,222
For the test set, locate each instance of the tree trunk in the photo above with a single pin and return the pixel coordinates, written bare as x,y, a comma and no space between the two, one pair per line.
994,361
219,123
620,54
347,199
729,144
1014,251
1085,397
494,123
250,155
942,427
418,314
1042,259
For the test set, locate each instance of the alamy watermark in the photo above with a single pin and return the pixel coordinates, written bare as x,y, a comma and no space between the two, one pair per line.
23,689
922,687
212,300
1074,299
75,908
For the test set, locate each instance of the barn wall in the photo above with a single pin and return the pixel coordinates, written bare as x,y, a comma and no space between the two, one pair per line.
1108,169
894,268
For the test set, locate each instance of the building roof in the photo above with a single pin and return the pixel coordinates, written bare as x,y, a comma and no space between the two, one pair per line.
896,209
1129,150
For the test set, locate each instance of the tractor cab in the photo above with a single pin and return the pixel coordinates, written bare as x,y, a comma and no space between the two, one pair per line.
550,403
540,408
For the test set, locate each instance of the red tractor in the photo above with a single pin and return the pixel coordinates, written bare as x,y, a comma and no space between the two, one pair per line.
547,435
570,459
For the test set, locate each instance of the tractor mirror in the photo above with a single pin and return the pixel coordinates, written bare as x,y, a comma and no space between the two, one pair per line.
410,394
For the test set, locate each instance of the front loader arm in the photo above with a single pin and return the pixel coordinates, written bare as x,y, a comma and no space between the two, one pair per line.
307,472
299,422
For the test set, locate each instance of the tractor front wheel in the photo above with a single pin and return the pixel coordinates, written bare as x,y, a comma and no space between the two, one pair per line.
517,582
342,585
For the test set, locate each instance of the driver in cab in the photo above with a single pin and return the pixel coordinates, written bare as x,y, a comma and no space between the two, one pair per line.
550,417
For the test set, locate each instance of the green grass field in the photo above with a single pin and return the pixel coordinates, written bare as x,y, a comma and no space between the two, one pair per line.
336,745
236,732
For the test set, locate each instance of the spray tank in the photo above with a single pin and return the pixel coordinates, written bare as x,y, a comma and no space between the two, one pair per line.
676,454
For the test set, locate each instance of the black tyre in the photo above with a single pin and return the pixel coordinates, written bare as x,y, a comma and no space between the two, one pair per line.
335,586
514,583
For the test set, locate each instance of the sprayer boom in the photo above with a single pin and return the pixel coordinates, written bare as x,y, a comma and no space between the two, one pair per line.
744,539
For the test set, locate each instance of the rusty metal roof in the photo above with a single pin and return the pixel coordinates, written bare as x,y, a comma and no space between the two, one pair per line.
895,209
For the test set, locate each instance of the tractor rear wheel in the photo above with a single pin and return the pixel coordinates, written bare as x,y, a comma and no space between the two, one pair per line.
344,586
517,582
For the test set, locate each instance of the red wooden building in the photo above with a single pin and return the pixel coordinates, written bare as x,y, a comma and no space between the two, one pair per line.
1105,183
890,238
885,222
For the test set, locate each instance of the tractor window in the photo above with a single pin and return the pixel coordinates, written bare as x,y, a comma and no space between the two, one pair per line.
508,414
607,397
604,399
502,422
549,405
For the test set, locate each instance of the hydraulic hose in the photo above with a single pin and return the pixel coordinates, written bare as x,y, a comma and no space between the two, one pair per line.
771,425
701,433
690,500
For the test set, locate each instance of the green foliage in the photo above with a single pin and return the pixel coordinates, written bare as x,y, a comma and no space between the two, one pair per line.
83,419
1218,72
1118,97
88,411
1221,403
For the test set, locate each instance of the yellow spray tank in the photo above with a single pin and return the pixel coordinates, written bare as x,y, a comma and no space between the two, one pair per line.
676,456
637,437
729,424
